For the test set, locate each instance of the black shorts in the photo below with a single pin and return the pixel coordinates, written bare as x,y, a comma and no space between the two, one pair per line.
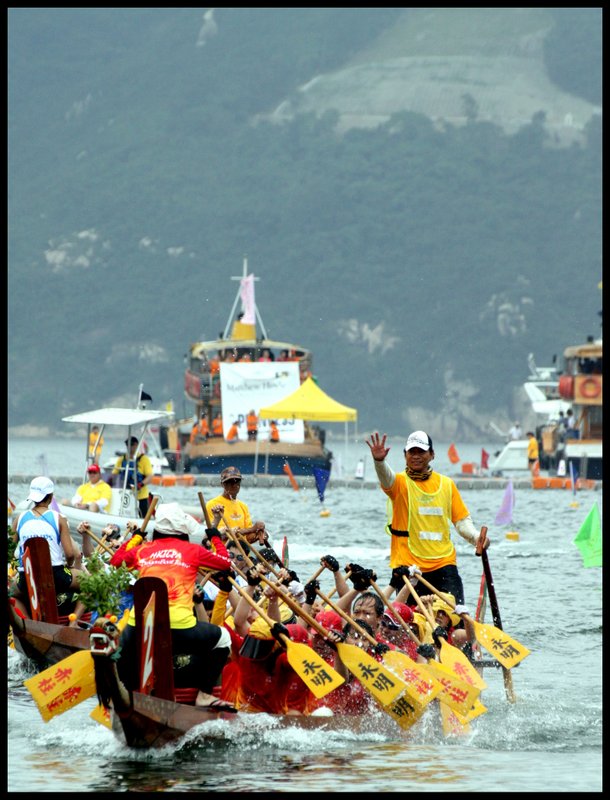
532,460
62,577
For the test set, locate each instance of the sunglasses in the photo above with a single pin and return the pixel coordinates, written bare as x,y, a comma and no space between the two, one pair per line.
233,480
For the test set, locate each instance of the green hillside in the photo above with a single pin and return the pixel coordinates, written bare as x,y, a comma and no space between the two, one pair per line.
421,266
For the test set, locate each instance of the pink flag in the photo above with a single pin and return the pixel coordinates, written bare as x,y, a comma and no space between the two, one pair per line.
247,300
55,505
505,514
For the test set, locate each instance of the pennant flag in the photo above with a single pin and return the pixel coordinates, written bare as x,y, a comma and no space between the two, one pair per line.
145,397
589,539
55,505
321,476
63,685
291,478
505,513
169,406
453,454
247,300
484,459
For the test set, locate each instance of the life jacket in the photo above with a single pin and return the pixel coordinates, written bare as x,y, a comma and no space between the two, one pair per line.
252,422
275,434
127,464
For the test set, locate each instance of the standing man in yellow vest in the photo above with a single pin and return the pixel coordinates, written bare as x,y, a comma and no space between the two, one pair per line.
424,504
533,454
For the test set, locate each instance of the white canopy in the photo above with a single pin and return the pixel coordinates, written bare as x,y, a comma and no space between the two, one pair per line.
118,416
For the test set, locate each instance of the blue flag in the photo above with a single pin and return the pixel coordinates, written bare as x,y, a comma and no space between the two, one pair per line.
589,539
505,514
321,476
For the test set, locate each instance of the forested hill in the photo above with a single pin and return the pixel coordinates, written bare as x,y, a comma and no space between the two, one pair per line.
421,259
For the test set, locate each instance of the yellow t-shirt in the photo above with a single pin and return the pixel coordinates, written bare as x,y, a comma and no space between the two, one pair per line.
93,493
400,553
236,513
532,448
93,451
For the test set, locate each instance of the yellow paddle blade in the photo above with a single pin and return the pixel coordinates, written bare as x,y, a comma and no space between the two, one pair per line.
64,685
453,723
421,685
316,673
502,647
457,661
456,693
404,711
101,715
384,685
476,711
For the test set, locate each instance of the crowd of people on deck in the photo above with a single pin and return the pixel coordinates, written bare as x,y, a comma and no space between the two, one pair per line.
236,655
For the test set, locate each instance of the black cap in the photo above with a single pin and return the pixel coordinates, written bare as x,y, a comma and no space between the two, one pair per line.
133,440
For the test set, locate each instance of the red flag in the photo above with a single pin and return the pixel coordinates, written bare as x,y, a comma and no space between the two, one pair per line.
484,459
452,453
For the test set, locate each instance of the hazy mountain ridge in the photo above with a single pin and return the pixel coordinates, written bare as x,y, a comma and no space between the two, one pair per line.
137,184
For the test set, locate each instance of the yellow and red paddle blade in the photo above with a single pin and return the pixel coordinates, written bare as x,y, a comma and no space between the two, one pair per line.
502,647
421,685
63,685
457,661
383,684
101,715
316,673
453,723
456,693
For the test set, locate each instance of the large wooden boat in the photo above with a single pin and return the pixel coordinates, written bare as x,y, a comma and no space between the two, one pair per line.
241,372
158,713
44,636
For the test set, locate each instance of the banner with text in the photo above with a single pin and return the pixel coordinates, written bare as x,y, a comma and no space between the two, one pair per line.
246,386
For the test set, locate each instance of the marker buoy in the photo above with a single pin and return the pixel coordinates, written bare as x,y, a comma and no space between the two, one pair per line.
513,536
325,512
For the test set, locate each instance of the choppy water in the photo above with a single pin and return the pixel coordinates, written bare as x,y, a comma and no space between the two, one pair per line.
549,740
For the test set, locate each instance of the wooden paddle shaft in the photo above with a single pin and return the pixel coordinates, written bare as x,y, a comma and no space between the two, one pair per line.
395,613
344,615
206,516
417,598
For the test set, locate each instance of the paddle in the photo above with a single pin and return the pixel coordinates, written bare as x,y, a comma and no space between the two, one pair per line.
424,690
452,656
313,670
504,648
383,684
495,611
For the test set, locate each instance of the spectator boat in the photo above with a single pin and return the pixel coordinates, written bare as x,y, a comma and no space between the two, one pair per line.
241,372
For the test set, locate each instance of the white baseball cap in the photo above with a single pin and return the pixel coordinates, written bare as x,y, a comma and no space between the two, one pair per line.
39,488
418,439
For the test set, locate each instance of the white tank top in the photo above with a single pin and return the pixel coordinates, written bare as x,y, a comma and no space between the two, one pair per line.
47,527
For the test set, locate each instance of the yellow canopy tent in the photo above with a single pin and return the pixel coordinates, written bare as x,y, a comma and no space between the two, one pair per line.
309,402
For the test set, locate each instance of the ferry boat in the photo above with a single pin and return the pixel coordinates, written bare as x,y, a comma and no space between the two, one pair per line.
578,387
581,385
230,379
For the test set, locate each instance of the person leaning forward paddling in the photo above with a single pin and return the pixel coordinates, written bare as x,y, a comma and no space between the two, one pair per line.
424,503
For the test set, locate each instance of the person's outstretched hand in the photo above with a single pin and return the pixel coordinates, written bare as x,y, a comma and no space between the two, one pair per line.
377,446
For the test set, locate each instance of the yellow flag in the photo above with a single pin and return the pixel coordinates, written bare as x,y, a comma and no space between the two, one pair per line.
502,647
101,715
458,662
458,694
384,685
64,685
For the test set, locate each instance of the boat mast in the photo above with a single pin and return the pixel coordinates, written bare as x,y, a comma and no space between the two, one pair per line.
227,331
